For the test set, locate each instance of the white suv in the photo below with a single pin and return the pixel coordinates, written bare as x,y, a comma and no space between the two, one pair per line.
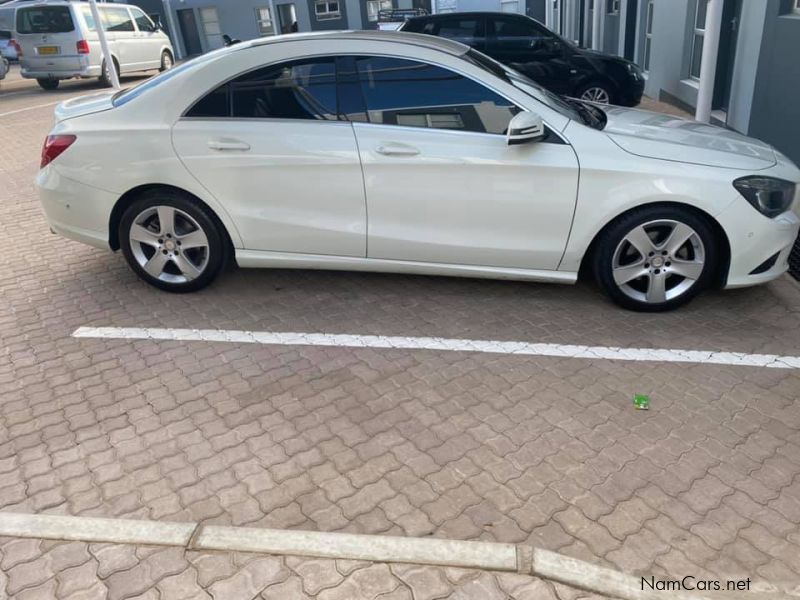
59,41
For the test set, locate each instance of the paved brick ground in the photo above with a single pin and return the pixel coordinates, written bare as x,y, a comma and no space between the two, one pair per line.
513,449
36,570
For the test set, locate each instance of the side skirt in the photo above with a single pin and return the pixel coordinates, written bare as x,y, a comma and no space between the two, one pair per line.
287,260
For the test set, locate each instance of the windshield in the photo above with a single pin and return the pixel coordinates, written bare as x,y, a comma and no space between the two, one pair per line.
44,19
527,85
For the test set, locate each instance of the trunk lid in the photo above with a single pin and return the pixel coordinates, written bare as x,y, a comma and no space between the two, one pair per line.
85,105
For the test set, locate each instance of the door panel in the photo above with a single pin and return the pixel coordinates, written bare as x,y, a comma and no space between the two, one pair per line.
290,186
466,198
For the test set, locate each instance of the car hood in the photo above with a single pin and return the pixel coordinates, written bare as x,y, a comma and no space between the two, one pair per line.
656,135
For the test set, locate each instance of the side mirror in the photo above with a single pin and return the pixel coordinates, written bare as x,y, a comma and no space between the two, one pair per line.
525,127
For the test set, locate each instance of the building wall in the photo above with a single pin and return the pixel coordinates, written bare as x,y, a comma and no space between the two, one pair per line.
775,115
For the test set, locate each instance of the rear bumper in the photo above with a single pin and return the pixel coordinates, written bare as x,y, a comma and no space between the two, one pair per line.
75,210
58,69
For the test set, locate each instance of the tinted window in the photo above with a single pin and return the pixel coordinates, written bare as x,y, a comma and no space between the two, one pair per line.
518,28
465,31
404,92
116,19
296,90
44,19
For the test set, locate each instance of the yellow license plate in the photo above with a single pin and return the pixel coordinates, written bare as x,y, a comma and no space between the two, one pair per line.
48,50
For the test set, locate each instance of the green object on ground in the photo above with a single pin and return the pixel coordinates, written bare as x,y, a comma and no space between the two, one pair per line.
641,402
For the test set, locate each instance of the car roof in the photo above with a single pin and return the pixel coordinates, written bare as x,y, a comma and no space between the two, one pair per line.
374,35
473,13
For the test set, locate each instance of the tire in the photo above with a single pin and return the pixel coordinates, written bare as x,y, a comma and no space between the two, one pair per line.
105,78
600,92
48,84
160,254
641,251
167,62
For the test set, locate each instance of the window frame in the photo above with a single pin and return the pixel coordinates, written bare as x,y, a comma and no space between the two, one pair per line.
613,7
379,4
697,33
553,136
795,7
328,14
260,21
649,17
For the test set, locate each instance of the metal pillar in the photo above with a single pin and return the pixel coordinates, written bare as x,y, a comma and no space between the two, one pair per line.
101,33
597,24
708,64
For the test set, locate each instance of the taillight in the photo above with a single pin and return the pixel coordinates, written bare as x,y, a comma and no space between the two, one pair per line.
83,47
54,146
15,44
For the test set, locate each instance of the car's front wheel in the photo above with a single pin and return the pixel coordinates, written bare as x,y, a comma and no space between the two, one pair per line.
656,258
172,241
166,61
598,92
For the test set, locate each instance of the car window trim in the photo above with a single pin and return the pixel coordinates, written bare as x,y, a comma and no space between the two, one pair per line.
559,139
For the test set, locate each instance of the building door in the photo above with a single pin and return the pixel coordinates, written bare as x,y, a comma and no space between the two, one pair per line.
631,24
287,18
728,36
211,28
189,32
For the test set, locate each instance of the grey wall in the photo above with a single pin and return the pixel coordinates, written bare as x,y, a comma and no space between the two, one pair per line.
535,9
748,50
775,115
611,28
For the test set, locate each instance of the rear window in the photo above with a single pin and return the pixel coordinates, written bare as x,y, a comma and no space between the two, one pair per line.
45,19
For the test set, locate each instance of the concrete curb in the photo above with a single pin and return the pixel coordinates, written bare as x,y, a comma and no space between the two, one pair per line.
427,551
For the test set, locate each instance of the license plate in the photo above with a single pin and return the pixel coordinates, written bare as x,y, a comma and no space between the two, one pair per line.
48,50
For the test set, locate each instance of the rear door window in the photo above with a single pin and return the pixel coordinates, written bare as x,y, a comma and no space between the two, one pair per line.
45,19
465,30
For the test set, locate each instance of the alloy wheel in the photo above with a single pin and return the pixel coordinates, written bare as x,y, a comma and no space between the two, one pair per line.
166,62
596,94
169,245
658,261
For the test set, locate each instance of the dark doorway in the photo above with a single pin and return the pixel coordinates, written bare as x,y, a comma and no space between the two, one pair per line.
189,32
631,25
728,36
287,18
582,24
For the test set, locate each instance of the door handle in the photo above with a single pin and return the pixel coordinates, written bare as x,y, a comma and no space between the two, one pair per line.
396,150
223,145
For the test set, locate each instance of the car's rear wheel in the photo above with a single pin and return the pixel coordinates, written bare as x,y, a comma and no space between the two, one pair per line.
172,241
166,61
656,258
48,84
105,78
598,91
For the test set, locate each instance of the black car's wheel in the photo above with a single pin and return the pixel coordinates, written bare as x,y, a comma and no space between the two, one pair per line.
597,91
105,78
48,84
172,242
656,258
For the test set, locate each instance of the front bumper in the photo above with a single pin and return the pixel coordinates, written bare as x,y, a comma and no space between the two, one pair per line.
631,94
756,240
75,210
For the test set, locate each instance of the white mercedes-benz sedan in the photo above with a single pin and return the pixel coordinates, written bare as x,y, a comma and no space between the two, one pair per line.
386,151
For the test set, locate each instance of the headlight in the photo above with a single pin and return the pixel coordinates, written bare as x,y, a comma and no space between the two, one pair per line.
768,195
634,70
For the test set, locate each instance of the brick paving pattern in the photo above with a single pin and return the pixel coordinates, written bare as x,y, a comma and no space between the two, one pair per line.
35,569
539,450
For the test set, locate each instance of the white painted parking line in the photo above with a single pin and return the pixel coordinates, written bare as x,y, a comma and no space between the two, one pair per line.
443,344
27,108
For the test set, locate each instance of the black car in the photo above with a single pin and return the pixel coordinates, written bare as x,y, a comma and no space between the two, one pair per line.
528,46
